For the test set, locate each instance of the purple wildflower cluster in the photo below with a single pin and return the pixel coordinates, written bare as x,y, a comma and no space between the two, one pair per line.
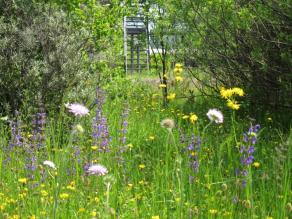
247,149
29,143
16,140
193,147
38,135
99,126
36,142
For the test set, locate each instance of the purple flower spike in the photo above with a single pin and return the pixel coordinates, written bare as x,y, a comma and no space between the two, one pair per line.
247,150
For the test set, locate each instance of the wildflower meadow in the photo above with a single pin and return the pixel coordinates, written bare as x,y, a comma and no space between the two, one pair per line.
83,137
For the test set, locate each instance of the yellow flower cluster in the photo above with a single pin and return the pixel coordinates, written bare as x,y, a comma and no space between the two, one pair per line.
192,117
178,69
64,195
229,94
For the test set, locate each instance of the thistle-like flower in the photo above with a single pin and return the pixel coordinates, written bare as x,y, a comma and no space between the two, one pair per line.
97,169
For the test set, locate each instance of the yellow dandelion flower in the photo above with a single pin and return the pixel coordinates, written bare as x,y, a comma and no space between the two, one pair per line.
22,180
213,211
179,78
193,118
162,85
256,164
64,195
233,104
226,93
171,96
14,217
32,217
94,147
178,65
141,166
155,217
238,91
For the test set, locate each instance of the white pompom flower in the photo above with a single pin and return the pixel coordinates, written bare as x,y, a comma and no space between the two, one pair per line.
77,109
50,164
215,115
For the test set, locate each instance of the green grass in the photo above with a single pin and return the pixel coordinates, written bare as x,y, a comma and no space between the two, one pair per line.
154,177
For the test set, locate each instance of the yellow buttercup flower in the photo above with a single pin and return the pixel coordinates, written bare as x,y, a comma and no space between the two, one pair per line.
141,166
256,164
171,96
155,217
233,104
22,180
94,148
151,137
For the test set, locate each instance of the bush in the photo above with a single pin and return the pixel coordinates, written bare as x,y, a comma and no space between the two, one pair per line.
42,57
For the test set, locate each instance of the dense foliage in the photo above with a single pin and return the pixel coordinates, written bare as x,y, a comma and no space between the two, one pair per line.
243,43
42,56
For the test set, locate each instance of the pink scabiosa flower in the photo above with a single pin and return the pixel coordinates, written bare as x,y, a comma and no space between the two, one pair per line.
215,115
77,109
97,169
